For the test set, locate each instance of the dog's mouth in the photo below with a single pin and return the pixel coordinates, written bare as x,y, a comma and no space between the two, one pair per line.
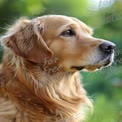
97,65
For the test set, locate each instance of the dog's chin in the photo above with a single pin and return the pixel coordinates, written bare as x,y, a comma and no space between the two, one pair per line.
103,63
97,65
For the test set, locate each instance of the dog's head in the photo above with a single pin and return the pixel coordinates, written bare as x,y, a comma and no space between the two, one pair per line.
66,39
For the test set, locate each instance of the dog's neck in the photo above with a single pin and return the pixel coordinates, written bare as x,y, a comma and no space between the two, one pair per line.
51,66
59,95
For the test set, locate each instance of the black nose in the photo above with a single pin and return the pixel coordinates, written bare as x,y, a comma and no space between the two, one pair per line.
107,47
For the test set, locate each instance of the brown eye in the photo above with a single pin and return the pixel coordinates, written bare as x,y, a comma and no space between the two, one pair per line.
68,33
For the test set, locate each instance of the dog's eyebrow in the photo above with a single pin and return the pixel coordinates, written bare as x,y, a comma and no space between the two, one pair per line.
67,26
85,27
89,30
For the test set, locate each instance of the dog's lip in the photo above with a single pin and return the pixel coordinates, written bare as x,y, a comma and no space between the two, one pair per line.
102,63
88,67
78,67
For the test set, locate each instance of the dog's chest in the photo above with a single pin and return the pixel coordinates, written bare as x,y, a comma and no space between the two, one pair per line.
10,113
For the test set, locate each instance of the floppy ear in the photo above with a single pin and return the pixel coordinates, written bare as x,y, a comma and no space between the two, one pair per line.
25,39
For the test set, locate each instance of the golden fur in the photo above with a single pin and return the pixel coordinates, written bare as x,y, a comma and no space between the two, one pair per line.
37,81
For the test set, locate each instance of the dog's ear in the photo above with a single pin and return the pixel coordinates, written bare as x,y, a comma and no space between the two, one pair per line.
25,39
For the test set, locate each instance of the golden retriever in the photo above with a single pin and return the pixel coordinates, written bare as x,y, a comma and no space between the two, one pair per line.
39,81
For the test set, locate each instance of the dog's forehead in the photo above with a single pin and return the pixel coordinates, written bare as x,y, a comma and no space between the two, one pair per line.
56,20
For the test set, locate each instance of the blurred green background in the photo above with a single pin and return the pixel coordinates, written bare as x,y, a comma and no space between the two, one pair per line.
105,16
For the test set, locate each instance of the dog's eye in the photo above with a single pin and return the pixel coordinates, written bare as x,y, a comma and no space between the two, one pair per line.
68,33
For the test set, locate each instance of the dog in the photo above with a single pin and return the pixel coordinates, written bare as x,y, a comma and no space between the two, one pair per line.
39,74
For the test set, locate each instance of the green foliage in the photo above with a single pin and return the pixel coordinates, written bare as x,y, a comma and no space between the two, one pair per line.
107,109
20,7
10,10
107,94
102,81
66,7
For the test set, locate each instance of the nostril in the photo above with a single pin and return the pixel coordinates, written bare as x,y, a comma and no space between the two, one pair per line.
107,47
